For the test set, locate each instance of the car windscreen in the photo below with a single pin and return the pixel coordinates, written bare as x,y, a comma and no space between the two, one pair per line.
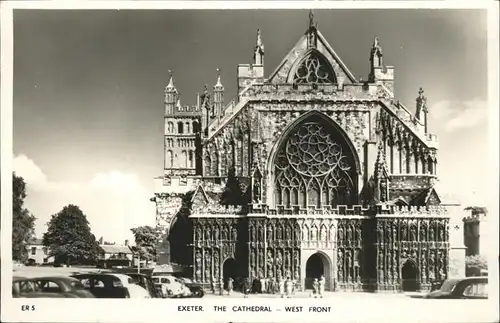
156,280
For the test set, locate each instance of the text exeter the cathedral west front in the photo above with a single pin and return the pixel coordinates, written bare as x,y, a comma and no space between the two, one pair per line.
307,172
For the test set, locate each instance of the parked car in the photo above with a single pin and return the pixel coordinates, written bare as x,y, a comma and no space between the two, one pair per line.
169,286
462,288
196,289
144,281
111,285
48,287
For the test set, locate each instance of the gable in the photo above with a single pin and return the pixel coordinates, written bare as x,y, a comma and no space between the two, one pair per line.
287,69
199,198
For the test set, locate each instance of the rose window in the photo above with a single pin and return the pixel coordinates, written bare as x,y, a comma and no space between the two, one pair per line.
314,69
314,167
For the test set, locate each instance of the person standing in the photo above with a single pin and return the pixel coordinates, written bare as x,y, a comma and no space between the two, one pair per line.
288,287
229,285
282,287
322,286
315,287
213,285
246,287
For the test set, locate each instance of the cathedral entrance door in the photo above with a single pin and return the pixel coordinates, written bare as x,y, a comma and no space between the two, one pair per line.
229,269
409,275
316,266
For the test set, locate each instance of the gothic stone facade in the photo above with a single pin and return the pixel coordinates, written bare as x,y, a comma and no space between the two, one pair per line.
308,172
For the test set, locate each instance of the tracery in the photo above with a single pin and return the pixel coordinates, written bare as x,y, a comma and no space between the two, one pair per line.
314,168
314,69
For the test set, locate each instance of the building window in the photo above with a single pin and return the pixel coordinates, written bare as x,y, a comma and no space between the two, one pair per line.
314,69
33,250
187,127
180,127
191,159
184,158
314,167
45,250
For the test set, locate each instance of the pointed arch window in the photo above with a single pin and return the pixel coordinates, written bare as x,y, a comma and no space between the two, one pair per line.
314,166
314,69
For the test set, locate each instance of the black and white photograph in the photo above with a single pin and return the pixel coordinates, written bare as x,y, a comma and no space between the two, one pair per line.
249,163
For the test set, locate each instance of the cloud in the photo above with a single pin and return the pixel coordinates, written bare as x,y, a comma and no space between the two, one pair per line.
114,202
460,114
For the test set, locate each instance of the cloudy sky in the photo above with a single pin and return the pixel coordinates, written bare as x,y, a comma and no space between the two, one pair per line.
88,92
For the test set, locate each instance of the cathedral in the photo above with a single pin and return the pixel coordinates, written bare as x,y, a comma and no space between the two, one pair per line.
308,172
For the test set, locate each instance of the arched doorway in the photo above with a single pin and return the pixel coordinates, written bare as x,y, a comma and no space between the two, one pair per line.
409,275
316,266
229,269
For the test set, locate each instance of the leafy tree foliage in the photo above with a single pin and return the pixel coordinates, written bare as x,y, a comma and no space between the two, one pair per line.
146,240
474,264
477,210
69,238
23,222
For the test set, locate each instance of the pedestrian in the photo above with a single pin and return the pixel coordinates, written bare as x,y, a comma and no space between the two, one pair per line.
270,286
322,286
246,287
282,287
213,285
288,287
315,287
229,285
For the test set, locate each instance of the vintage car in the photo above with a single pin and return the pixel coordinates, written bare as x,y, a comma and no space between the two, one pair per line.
169,286
462,288
144,281
111,285
48,287
196,289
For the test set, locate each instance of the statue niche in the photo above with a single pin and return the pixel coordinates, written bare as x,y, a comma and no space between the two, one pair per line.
315,165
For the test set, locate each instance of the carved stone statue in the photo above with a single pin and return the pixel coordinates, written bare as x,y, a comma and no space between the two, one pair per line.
404,233
341,234
380,259
279,235
252,233
413,233
199,233
269,232
358,234
441,233
349,234
431,233
423,233
288,233
380,233
256,190
332,233
322,233
235,234
279,258
296,258
314,233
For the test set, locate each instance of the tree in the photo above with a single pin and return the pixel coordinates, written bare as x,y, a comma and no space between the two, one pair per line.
146,240
474,264
23,222
69,238
476,210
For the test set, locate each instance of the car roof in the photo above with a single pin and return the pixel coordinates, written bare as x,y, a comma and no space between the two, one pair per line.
55,278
